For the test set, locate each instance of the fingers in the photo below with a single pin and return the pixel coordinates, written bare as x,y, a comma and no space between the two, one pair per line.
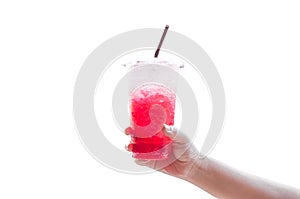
148,163
128,131
141,162
129,147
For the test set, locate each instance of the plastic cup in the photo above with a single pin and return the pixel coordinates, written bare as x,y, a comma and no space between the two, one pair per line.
151,104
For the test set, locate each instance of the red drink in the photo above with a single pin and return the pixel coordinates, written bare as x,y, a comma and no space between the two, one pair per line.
151,106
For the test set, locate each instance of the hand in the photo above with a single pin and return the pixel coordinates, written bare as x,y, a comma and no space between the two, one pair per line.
212,176
180,162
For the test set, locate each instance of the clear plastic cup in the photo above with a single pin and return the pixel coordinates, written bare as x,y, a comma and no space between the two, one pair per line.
152,104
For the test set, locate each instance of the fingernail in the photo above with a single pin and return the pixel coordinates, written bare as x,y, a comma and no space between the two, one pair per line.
128,147
170,131
128,131
168,128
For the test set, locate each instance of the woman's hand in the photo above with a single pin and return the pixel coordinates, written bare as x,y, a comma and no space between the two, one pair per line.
212,176
182,158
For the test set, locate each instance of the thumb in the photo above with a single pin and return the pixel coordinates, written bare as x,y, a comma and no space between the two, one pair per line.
177,136
170,131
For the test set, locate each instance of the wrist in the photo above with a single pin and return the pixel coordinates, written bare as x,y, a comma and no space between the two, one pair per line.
197,170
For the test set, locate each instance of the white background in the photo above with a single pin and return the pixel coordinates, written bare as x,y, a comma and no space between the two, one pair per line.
254,45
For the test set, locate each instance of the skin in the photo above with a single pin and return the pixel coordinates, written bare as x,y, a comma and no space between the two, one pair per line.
212,176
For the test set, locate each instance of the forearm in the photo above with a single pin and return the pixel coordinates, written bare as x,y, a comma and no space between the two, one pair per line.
224,182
